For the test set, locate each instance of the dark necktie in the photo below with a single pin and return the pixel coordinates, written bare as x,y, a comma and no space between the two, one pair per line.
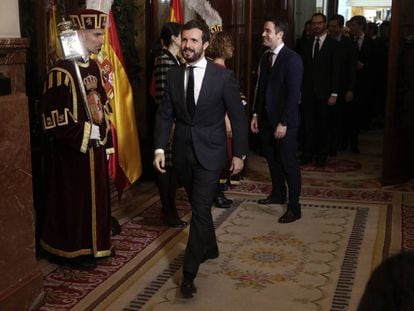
270,59
190,92
316,48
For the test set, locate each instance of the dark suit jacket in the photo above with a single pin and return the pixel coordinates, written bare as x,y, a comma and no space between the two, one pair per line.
366,57
219,94
321,75
278,89
349,55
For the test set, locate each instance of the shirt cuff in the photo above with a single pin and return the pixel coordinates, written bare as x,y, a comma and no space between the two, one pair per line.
158,151
334,94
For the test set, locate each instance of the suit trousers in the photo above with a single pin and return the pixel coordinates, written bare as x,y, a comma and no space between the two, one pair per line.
201,187
315,123
283,164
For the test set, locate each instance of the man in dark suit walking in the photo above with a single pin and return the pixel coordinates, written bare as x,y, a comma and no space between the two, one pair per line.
276,116
320,90
197,97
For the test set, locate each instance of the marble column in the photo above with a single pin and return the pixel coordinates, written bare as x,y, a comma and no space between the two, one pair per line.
21,281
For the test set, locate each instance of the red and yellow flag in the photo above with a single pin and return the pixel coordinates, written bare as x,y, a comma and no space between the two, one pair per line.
125,164
176,13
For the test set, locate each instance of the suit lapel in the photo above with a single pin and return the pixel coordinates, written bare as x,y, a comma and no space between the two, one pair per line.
179,85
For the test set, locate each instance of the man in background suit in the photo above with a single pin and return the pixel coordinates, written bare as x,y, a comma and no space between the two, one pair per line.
197,97
320,90
276,116
362,103
339,116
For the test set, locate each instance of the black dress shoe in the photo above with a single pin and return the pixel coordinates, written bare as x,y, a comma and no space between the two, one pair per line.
333,153
355,149
289,216
271,200
188,288
177,224
224,199
320,163
115,226
305,160
81,262
220,203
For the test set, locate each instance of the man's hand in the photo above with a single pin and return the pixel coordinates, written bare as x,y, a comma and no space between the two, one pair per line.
280,131
159,162
349,96
254,125
236,165
332,100
95,134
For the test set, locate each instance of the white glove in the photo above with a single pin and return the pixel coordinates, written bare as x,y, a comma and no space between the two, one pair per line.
95,134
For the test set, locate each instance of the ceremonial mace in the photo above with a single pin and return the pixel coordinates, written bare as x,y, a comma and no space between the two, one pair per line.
73,50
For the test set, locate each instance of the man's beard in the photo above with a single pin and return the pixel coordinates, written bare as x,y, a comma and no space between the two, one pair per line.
193,57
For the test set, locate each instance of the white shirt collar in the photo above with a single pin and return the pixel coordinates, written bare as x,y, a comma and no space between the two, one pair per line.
322,38
277,49
201,63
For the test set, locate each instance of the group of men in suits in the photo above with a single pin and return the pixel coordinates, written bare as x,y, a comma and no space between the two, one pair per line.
337,85
199,94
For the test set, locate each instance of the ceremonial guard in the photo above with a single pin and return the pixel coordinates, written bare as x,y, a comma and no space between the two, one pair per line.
76,225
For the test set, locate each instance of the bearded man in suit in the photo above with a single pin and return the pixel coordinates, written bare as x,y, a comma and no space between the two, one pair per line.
197,97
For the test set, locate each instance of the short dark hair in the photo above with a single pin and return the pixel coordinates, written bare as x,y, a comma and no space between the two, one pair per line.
360,20
280,23
319,14
339,18
201,25
168,30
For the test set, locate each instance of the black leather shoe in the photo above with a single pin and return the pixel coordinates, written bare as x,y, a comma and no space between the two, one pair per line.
320,163
188,288
85,262
355,149
81,262
223,197
177,224
288,217
220,203
305,160
271,200
115,226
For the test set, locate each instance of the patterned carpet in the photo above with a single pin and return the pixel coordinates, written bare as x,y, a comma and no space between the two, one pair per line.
314,264
350,224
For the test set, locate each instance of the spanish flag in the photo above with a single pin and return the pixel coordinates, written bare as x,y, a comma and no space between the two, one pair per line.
125,163
176,13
